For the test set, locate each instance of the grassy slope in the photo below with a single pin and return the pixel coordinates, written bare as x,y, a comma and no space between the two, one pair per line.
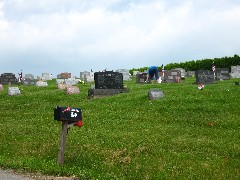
188,134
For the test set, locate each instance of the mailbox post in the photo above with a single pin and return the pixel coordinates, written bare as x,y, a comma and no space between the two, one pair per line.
68,116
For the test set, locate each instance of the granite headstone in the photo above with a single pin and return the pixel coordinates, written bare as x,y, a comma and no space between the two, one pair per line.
1,87
8,78
41,83
204,77
155,94
141,77
125,73
235,72
171,76
72,90
28,80
12,91
222,74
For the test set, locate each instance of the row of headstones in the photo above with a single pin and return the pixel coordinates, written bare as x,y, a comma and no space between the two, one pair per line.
202,76
69,89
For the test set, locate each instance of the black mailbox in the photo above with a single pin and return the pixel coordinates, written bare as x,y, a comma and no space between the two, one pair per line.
67,114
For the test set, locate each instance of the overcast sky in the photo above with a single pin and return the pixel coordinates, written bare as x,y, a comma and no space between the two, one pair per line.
55,36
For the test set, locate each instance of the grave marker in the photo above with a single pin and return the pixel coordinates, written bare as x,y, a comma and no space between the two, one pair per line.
154,94
190,74
28,80
71,81
72,90
64,75
107,83
235,72
108,80
12,91
135,73
60,81
182,72
204,77
125,73
46,76
1,87
8,78
141,77
222,74
171,76
41,83
87,76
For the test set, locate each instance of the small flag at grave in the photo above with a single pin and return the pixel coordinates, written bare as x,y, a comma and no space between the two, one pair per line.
200,86
20,76
162,70
213,67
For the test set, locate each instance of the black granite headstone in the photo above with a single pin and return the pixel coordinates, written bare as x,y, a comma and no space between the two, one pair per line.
204,77
8,78
108,80
222,74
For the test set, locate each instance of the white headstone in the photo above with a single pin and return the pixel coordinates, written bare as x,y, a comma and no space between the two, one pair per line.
235,72
125,73
60,81
87,76
41,83
12,91
46,76
71,81
135,73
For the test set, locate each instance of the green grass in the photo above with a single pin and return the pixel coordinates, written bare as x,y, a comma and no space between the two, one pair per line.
188,134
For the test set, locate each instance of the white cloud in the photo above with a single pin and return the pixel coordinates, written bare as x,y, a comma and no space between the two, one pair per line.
100,31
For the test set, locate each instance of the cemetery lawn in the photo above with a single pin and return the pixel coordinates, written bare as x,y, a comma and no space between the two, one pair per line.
188,134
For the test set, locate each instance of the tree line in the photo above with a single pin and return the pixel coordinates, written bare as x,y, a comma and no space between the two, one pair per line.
204,64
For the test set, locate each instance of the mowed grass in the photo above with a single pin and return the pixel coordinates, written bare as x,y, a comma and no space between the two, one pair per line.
188,134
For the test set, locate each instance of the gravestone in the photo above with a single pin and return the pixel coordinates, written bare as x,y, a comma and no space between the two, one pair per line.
235,72
204,77
107,83
190,74
141,77
108,80
222,74
87,76
60,81
72,90
155,94
71,81
8,78
41,83
1,87
64,75
135,73
12,91
63,86
125,73
46,76
183,72
171,76
28,80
